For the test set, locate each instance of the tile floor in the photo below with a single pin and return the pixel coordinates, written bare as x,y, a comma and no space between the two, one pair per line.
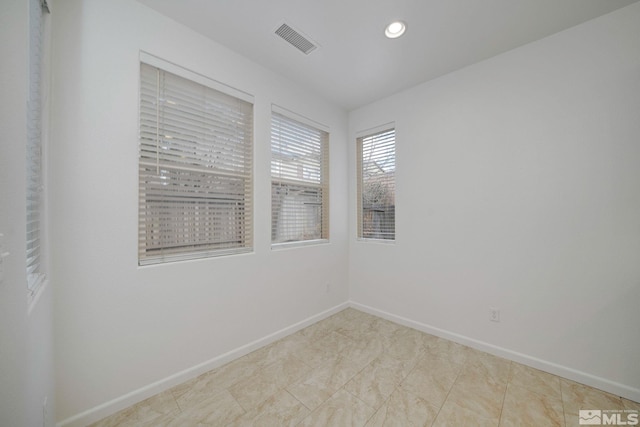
354,369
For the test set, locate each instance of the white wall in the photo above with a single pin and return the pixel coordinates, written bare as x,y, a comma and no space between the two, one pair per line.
26,349
118,327
518,187
13,302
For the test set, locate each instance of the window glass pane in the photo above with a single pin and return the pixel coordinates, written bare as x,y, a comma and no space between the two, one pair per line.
299,181
195,174
376,186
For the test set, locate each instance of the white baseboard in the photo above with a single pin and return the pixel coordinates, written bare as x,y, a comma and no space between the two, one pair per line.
111,407
604,384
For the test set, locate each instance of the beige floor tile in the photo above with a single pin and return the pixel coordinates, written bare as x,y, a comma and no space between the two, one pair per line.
321,383
342,409
364,352
354,328
493,367
452,415
405,365
448,350
128,418
315,357
576,397
429,340
170,421
403,409
630,404
315,331
337,320
384,327
254,390
406,345
158,406
393,331
478,392
196,390
179,422
285,371
579,395
348,313
523,407
535,380
431,380
375,383
334,342
216,380
289,346
281,409
312,392
218,409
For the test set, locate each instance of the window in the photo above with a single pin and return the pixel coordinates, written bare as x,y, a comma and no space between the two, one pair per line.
299,180
35,108
376,185
195,167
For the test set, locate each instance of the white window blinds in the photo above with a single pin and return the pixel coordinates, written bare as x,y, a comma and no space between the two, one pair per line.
195,173
376,185
35,106
299,181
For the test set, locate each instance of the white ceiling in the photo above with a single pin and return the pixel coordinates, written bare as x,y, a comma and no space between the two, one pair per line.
355,64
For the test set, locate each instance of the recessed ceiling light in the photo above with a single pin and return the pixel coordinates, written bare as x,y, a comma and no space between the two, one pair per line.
395,29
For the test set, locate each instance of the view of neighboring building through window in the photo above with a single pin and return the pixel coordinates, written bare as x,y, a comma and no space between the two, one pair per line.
195,168
376,185
299,181
35,106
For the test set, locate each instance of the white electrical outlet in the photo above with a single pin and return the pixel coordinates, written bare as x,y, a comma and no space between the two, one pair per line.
494,314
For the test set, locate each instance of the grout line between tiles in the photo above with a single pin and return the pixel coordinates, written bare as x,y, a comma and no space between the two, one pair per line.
504,396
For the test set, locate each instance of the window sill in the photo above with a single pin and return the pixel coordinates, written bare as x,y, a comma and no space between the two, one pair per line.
381,241
288,245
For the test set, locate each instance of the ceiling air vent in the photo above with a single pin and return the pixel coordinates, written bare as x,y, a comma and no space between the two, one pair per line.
296,39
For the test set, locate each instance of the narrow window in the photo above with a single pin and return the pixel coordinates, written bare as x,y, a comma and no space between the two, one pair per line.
195,169
376,185
35,107
299,181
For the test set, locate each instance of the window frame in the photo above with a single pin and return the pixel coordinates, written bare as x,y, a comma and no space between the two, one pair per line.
281,117
361,137
200,180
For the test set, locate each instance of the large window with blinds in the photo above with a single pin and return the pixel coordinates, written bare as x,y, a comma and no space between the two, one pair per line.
299,179
377,185
195,166
36,101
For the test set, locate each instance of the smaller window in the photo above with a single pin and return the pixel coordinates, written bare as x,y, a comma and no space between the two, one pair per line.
299,181
377,185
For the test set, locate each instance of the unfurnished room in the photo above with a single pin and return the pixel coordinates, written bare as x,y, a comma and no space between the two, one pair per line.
320,213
